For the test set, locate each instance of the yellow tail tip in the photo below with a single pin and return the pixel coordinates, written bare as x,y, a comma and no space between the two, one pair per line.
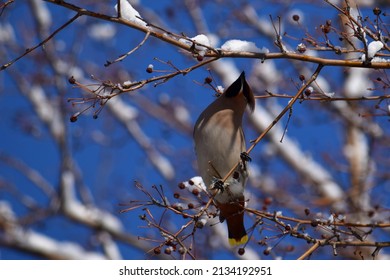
235,242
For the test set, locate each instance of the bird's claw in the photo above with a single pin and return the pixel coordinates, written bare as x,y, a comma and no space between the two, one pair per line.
219,185
245,157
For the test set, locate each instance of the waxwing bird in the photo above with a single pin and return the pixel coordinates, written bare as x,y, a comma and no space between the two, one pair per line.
220,145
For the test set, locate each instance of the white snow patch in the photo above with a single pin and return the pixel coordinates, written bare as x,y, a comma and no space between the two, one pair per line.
220,89
380,59
198,39
373,48
129,13
328,94
242,46
195,182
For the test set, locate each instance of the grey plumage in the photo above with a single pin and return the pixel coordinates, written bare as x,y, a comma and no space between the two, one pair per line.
219,142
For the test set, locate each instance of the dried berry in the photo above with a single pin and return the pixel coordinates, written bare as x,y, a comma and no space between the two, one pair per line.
325,28
208,80
200,57
72,80
377,11
195,191
149,69
181,251
314,223
301,48
268,200
169,242
199,224
177,207
74,117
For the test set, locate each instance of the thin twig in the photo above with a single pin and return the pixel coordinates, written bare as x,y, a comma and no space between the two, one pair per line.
123,56
172,39
5,66
310,251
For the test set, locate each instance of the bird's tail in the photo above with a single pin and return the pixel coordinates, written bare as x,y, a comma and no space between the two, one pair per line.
233,213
